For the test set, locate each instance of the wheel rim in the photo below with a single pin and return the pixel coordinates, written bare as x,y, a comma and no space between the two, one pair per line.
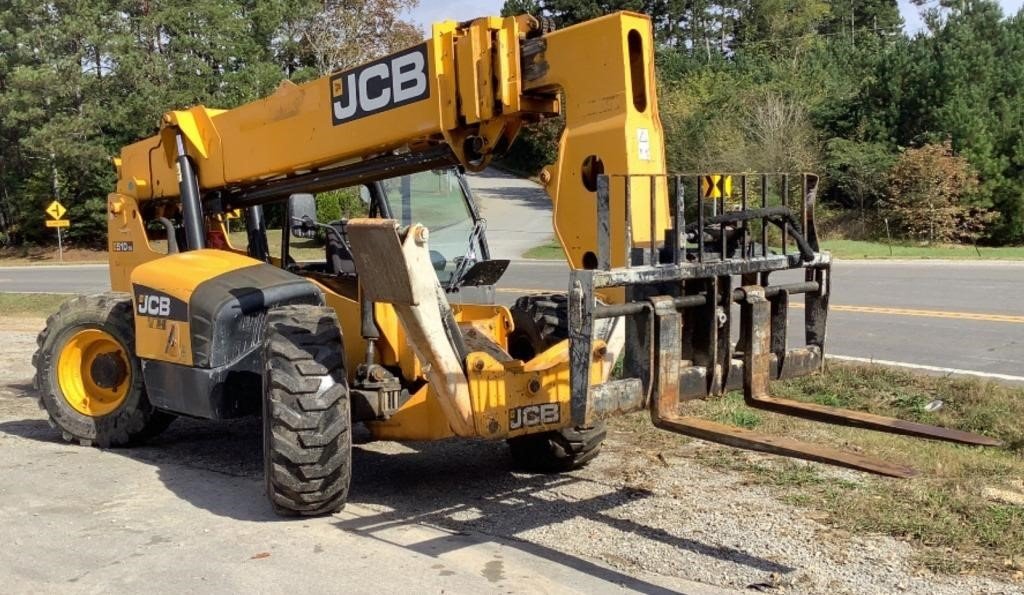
93,372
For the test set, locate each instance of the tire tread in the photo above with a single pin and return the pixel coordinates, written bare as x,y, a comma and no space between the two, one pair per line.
136,420
307,422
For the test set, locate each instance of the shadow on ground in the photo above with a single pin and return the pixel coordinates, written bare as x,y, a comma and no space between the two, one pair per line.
530,196
507,187
462,487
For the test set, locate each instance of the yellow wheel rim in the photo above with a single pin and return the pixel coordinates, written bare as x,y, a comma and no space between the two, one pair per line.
94,372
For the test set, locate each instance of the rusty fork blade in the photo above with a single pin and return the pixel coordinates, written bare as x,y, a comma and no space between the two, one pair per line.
787,447
859,419
756,376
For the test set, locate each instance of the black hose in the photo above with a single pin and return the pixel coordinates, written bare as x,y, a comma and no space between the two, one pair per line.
192,207
172,237
781,217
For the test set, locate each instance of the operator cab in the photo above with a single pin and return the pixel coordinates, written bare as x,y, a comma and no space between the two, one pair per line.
315,240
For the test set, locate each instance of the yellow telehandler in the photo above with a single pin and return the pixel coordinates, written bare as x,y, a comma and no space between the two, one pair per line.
318,325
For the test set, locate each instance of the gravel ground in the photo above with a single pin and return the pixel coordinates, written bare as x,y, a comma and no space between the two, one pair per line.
641,513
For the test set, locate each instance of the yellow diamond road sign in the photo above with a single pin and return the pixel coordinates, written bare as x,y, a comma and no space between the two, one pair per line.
56,210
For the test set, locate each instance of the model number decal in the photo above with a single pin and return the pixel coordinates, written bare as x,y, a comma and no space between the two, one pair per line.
157,304
124,247
534,415
385,84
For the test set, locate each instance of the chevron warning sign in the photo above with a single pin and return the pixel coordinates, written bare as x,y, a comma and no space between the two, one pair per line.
716,186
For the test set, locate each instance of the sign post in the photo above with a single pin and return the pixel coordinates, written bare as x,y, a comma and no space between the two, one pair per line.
56,211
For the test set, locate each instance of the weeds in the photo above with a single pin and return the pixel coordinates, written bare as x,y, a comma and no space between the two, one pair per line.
947,511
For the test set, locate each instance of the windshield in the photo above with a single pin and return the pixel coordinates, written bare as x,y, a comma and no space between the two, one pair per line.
435,199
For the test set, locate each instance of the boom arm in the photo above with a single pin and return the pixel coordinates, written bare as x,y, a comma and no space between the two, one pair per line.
461,96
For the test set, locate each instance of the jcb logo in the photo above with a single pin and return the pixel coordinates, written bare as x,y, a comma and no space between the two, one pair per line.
533,415
154,305
157,304
382,85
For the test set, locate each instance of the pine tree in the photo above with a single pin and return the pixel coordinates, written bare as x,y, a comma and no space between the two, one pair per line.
79,80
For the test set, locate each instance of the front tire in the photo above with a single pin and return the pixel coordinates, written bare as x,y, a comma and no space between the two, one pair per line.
88,378
307,433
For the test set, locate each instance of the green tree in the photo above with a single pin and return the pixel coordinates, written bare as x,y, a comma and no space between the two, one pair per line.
79,80
962,82
881,17
513,8
568,12
858,175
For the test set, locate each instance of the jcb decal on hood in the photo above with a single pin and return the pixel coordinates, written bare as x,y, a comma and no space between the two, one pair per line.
385,84
157,304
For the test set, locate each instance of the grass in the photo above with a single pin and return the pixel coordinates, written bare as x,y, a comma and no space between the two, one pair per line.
860,250
550,251
856,249
951,511
26,305
298,248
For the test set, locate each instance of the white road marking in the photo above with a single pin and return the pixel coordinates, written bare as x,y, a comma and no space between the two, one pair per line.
952,371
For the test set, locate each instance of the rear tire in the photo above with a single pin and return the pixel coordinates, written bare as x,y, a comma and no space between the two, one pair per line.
557,452
105,403
542,321
307,433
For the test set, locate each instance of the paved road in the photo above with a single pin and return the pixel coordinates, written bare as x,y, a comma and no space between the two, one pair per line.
518,212
966,316
186,513
84,278
953,315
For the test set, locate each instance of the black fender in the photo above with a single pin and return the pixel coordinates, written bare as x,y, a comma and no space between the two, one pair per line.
227,313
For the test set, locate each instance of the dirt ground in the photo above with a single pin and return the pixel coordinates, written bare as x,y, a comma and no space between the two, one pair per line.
188,508
49,255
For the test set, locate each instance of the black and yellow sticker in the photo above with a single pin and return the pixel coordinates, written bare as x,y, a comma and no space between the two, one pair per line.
392,81
157,304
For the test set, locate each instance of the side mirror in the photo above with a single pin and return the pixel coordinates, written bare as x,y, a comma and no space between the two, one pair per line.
302,208
438,260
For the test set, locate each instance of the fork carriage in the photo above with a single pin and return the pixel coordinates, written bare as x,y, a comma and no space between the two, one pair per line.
683,339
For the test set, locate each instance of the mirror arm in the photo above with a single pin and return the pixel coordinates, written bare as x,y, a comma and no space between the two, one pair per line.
308,223
461,268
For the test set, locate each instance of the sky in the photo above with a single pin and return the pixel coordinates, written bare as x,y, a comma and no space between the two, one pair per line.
912,18
430,11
